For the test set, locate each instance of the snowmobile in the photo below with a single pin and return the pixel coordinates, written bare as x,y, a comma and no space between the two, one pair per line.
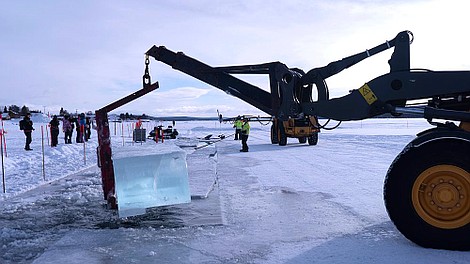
167,133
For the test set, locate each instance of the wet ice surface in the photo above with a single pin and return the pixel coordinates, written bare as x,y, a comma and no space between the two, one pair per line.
58,213
292,204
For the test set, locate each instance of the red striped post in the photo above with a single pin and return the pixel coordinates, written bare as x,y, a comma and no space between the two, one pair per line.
3,166
4,138
42,145
47,134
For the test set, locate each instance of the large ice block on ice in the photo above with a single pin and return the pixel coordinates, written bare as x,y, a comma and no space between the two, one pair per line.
149,176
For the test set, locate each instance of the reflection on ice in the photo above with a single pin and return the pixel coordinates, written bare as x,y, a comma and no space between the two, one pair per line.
148,177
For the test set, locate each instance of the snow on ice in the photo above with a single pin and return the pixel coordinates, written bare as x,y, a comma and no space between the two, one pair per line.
292,204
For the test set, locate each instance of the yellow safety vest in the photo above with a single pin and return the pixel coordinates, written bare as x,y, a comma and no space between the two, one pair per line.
238,124
246,128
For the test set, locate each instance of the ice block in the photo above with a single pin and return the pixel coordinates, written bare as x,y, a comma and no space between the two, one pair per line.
149,177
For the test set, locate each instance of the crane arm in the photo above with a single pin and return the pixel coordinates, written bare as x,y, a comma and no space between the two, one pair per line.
389,93
399,62
291,88
220,77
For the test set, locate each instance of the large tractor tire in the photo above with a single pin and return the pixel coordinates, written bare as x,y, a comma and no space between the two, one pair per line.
313,139
282,134
282,139
274,134
427,190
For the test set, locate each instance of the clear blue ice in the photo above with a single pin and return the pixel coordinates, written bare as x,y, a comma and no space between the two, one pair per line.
150,180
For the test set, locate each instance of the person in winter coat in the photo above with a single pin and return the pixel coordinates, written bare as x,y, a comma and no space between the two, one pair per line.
88,128
67,128
27,126
54,124
238,128
80,128
81,124
244,134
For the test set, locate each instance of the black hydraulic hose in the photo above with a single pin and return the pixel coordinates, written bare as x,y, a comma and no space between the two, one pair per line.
329,128
263,124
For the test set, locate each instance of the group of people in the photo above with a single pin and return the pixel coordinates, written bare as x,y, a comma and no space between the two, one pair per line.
81,124
242,130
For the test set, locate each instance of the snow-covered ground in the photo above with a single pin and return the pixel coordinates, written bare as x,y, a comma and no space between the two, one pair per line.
292,204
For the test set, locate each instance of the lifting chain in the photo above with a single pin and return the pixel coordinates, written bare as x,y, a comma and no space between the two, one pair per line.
146,77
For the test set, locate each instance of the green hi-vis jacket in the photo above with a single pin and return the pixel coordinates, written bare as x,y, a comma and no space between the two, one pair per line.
246,128
238,124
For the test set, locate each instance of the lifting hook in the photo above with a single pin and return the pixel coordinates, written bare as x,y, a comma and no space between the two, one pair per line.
146,78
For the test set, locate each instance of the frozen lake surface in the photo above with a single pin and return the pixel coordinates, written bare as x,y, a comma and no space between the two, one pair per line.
292,204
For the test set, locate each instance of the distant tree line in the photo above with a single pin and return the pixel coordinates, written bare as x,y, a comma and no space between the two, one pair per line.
15,110
128,116
63,112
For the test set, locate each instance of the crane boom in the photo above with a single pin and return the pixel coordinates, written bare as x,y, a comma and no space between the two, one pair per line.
427,186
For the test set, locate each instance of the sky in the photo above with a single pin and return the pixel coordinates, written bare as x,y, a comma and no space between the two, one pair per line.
83,55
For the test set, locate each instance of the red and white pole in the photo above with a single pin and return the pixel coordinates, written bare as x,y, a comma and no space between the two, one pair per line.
3,166
4,138
42,145
47,133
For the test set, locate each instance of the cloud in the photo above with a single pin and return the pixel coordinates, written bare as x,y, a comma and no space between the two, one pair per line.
196,102
85,55
181,93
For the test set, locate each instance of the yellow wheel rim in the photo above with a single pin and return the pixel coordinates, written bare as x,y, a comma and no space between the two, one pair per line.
441,196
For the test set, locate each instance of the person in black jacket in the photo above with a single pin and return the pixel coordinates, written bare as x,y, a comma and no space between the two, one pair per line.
67,128
54,131
27,126
76,122
88,126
